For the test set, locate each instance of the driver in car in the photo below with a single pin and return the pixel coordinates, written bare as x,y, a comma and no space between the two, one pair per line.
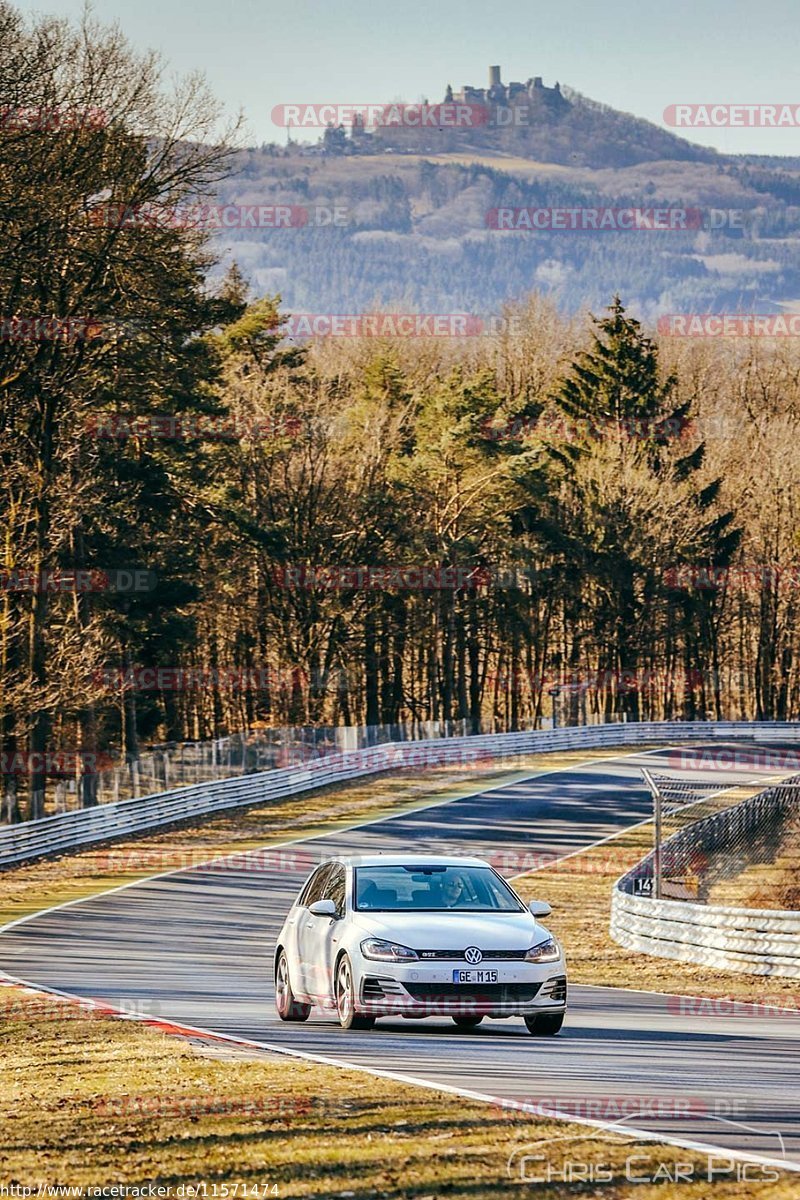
454,894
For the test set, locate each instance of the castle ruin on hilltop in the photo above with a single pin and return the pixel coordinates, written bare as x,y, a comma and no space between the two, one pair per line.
506,93
511,110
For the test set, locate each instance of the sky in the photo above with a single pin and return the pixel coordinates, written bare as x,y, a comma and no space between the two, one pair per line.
637,57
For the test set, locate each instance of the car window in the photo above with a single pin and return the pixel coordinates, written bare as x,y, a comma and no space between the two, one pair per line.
315,888
335,887
433,889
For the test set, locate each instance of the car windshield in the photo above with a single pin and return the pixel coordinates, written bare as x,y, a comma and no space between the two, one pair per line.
432,889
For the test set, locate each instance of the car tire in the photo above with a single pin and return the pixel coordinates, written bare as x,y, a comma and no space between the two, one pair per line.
345,998
465,1022
288,1008
545,1024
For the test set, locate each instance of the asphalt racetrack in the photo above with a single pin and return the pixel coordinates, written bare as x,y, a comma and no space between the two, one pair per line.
195,947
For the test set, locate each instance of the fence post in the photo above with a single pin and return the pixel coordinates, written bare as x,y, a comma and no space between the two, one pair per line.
656,794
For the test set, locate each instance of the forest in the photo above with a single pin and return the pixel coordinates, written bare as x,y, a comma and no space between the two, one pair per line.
207,525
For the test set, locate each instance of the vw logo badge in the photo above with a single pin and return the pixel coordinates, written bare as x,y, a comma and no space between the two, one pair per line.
472,954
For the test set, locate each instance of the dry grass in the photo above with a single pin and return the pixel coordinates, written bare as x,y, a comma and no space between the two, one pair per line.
767,885
103,1102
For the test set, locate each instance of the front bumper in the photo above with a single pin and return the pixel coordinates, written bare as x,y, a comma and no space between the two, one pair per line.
423,990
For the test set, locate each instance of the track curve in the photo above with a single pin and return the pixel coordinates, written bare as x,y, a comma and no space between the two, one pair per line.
194,946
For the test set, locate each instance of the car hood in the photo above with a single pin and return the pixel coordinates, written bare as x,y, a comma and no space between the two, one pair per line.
454,930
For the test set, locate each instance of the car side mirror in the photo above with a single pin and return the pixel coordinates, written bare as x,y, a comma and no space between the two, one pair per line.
538,908
322,908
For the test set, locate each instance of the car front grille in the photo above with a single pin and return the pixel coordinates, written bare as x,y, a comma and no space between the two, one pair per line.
488,955
499,993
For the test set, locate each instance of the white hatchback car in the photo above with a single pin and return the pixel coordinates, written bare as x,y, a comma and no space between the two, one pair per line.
417,935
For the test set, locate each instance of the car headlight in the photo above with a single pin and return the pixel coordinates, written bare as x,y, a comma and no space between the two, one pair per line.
386,951
548,951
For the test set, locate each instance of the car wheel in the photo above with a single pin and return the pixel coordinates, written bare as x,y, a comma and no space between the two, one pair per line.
464,1022
288,1008
545,1025
345,998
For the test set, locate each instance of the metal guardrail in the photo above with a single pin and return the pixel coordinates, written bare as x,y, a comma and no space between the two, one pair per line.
71,831
172,765
756,941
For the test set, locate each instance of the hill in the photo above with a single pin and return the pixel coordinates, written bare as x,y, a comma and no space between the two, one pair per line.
414,232
529,120
414,208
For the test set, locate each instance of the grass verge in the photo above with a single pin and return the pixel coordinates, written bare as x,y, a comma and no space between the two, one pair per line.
102,1102
767,885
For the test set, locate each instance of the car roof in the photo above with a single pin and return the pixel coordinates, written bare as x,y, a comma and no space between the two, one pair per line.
408,860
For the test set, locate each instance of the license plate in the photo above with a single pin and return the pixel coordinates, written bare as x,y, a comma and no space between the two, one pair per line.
474,976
